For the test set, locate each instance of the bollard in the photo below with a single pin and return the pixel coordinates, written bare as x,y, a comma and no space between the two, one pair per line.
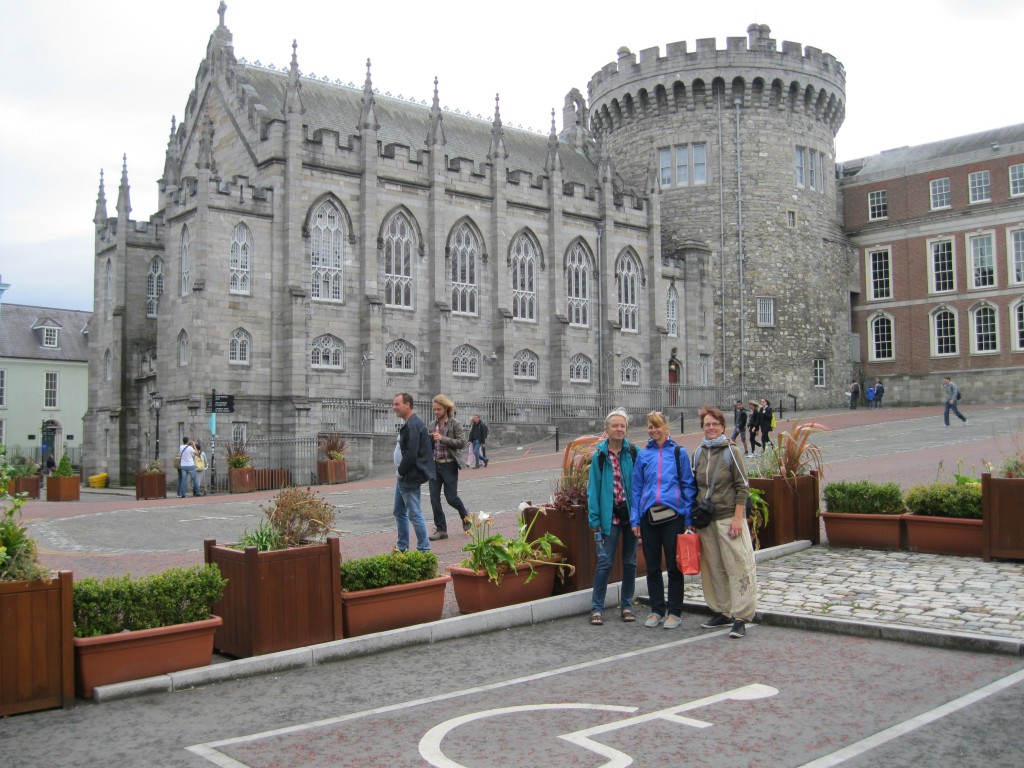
556,439
682,428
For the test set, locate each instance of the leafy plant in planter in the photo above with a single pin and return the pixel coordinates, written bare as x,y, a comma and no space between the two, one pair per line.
861,513
759,515
151,482
334,469
945,518
125,629
64,468
297,516
389,591
497,555
960,500
1001,493
62,484
17,548
388,570
332,446
238,456
864,497
155,467
796,455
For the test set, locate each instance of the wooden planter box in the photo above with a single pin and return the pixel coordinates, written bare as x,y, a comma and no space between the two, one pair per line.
151,486
332,472
29,484
1002,517
278,600
403,605
792,509
36,656
107,659
474,592
242,480
272,479
846,529
63,488
943,535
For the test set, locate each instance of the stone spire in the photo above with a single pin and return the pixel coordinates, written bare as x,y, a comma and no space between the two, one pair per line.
554,160
204,158
368,119
497,149
124,203
100,217
293,93
435,131
172,162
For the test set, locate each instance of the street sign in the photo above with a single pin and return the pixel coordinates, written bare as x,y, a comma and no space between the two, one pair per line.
220,404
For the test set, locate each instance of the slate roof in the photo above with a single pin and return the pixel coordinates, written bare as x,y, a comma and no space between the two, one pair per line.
894,159
338,108
19,340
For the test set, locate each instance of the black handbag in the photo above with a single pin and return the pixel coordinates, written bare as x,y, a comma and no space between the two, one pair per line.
660,513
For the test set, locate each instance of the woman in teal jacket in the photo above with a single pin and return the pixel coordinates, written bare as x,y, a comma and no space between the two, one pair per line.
609,493
662,477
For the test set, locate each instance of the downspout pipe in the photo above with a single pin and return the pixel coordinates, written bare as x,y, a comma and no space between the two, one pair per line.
737,103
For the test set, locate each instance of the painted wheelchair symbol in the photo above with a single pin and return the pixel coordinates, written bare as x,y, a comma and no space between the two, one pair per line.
430,744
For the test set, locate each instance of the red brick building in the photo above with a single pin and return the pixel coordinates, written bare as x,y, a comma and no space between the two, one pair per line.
939,285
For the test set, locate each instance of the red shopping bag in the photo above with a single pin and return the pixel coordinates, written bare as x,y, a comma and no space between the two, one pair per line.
688,553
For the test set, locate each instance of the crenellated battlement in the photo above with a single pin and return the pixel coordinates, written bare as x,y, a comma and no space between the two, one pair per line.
751,71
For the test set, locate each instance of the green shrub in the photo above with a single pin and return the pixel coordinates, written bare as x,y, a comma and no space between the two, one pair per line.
864,497
1012,465
945,500
118,604
17,548
64,468
387,570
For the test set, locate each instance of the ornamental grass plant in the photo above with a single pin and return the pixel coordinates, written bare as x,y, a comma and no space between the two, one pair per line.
296,516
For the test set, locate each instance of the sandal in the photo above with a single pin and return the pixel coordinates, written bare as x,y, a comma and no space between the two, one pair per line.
596,619
628,615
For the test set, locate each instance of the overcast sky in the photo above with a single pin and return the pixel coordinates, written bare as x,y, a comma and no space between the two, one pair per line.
84,83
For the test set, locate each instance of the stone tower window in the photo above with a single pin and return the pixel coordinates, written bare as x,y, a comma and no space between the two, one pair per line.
524,365
578,288
579,369
240,347
240,270
791,219
107,365
154,285
399,244
818,374
766,311
327,352
465,361
108,290
799,168
524,276
327,254
399,357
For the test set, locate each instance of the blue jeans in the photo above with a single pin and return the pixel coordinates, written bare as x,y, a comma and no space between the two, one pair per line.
407,507
605,558
478,452
951,406
183,475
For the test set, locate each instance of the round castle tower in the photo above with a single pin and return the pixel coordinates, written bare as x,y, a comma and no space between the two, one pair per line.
741,144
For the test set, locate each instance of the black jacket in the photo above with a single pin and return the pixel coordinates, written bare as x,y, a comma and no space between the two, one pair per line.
478,433
417,448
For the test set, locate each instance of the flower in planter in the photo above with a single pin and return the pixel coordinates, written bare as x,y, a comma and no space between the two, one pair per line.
495,553
332,446
238,457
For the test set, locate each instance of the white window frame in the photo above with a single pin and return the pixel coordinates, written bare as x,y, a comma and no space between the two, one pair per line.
818,372
932,275
821,172
629,372
940,194
974,240
154,285
1016,177
879,287
239,433
466,361
700,164
524,280
798,166
577,275
525,365
934,332
1015,256
672,312
878,205
765,311
1017,325
580,369
992,333
3,432
627,292
240,264
51,390
875,341
811,168
327,254
327,353
3,389
400,357
51,337
240,347
683,165
979,183
464,252
399,246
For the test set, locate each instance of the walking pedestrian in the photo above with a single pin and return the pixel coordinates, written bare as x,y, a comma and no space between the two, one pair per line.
201,468
854,395
739,420
187,459
755,425
879,393
951,393
767,417
414,461
662,482
609,494
478,441
449,441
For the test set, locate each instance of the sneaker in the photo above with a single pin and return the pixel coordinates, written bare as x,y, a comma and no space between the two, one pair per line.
672,622
653,620
739,629
718,620
438,535
466,523
965,421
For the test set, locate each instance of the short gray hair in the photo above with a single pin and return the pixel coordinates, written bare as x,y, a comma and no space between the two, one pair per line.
617,412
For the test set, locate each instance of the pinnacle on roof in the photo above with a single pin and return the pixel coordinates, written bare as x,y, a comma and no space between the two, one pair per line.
124,204
435,132
368,119
293,93
101,205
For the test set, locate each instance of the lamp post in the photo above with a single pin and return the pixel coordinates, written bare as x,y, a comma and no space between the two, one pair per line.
155,401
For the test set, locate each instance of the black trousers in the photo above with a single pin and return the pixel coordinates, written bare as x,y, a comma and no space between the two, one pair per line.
660,540
446,476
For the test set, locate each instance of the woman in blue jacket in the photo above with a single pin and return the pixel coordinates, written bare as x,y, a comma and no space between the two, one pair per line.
662,478
609,494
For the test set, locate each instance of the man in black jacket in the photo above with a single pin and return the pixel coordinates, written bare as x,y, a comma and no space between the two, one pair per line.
414,460
739,420
478,440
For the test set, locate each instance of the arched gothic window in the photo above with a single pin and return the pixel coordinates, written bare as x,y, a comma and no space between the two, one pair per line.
154,285
579,369
578,285
240,349
524,279
399,357
672,311
465,361
183,347
327,254
630,372
184,260
399,246
239,279
464,252
524,365
328,352
627,288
